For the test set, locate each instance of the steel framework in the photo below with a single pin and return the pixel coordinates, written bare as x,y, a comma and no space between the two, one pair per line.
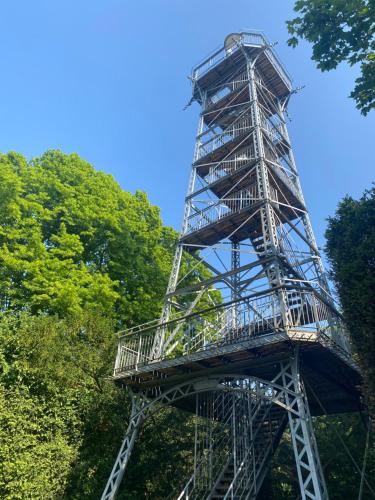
248,313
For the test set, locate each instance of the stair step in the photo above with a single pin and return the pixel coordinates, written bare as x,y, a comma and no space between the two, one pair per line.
267,429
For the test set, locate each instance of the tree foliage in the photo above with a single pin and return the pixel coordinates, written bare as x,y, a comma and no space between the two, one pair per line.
71,238
45,392
340,30
351,252
79,257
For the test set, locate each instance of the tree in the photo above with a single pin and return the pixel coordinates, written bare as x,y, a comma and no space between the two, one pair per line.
79,258
60,410
351,252
40,397
71,238
340,30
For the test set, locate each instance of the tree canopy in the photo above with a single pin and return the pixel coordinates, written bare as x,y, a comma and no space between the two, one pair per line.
71,239
351,251
79,258
340,30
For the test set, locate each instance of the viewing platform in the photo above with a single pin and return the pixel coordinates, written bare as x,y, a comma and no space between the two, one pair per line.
224,60
245,337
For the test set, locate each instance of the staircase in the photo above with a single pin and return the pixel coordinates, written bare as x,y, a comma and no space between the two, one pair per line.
240,477
245,482
257,241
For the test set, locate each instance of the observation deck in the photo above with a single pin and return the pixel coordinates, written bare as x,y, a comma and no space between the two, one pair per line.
213,342
224,60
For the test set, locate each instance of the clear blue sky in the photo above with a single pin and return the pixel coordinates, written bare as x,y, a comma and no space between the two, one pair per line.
107,79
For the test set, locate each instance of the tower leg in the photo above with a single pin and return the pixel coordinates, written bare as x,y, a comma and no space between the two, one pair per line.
136,419
309,469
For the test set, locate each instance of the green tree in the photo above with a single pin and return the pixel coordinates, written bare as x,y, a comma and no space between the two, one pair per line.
71,238
340,30
79,258
59,410
39,400
351,252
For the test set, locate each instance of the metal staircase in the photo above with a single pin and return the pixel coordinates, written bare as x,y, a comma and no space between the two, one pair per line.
233,467
246,482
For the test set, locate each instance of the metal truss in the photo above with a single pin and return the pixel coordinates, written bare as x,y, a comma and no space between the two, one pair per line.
246,274
248,411
244,202
138,415
309,469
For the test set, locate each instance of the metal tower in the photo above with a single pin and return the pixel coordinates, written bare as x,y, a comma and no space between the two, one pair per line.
249,330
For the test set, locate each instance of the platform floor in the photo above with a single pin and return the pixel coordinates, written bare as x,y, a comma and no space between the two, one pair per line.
326,370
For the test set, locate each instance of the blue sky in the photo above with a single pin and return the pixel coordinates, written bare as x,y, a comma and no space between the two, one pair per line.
108,79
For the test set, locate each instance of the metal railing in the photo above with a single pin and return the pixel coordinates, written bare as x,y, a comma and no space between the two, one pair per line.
279,172
231,164
224,207
248,467
216,57
200,483
240,126
232,322
220,453
226,89
246,39
213,454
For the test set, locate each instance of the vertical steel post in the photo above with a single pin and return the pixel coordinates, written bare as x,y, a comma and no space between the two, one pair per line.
309,469
270,239
235,265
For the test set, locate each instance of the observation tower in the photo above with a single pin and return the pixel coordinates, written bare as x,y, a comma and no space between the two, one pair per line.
249,334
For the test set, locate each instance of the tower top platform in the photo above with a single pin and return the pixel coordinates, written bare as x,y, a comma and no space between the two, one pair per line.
236,48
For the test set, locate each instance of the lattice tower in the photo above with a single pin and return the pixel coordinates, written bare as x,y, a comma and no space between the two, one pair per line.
249,330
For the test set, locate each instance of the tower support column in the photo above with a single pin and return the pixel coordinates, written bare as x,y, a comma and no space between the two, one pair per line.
309,469
138,415
268,222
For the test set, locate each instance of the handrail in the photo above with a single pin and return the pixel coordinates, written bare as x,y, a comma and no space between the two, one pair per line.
255,315
246,38
221,208
223,441
221,464
144,327
260,457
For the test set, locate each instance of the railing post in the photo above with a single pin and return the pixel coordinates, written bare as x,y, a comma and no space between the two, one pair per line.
315,311
139,350
118,361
